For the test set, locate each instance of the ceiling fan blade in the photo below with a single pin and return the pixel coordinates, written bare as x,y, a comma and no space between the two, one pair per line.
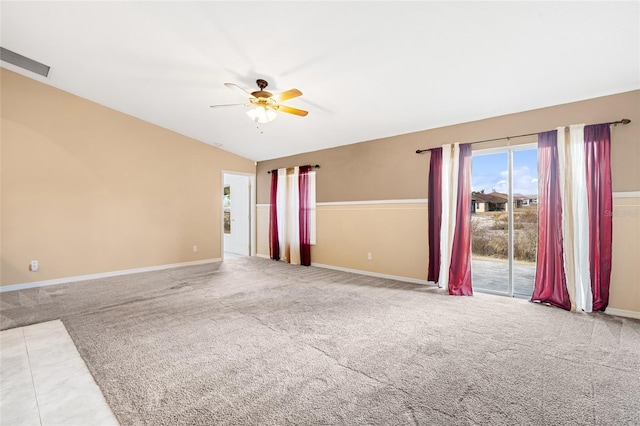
289,94
228,105
236,87
290,110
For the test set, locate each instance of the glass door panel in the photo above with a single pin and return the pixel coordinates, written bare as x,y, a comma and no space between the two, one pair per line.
525,220
489,223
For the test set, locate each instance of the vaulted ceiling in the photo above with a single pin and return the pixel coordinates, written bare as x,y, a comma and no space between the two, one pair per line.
367,70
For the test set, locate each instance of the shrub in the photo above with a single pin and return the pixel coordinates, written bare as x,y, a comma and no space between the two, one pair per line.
501,221
489,244
528,216
525,244
493,240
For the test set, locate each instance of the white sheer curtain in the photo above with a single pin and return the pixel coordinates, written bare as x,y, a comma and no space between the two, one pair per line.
281,206
450,166
575,215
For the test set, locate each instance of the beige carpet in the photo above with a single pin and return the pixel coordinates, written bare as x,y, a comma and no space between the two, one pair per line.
253,341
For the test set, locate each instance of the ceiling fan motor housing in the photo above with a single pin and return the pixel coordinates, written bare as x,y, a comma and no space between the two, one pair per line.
262,84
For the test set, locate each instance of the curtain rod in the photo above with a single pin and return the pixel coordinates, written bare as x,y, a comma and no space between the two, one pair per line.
313,167
623,122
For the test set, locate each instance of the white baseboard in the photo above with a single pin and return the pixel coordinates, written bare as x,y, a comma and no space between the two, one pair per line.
374,274
264,256
622,313
34,284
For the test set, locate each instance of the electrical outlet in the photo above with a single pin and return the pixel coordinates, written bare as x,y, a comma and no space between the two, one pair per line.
369,256
195,249
33,266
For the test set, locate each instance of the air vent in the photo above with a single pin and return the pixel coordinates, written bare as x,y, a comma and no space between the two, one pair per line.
24,62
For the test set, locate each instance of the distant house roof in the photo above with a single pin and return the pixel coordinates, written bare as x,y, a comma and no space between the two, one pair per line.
488,198
522,197
505,197
500,195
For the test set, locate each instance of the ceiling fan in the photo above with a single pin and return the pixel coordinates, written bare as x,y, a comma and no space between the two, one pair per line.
266,104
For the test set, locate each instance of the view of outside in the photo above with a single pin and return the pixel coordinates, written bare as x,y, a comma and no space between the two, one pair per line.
226,203
490,221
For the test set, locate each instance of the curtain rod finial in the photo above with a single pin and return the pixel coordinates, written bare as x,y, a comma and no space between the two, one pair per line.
625,121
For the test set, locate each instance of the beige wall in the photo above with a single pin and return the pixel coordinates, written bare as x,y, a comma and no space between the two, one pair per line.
389,169
86,189
625,268
394,234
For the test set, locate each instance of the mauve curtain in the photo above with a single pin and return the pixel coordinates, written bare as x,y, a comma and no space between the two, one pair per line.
550,283
274,244
291,215
460,268
597,140
305,231
435,213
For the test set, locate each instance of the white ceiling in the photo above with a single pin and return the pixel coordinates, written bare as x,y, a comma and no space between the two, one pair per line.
367,70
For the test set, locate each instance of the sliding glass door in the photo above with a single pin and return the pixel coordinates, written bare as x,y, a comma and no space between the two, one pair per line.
504,220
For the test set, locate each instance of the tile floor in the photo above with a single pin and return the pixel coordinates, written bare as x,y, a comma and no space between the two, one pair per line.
44,381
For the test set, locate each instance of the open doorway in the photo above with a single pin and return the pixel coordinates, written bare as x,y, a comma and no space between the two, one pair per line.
238,223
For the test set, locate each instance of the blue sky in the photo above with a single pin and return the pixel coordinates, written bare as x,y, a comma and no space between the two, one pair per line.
489,172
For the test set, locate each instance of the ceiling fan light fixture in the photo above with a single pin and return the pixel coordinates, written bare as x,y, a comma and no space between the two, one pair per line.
261,114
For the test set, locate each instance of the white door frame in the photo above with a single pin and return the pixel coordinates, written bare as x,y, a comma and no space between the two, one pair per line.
252,210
